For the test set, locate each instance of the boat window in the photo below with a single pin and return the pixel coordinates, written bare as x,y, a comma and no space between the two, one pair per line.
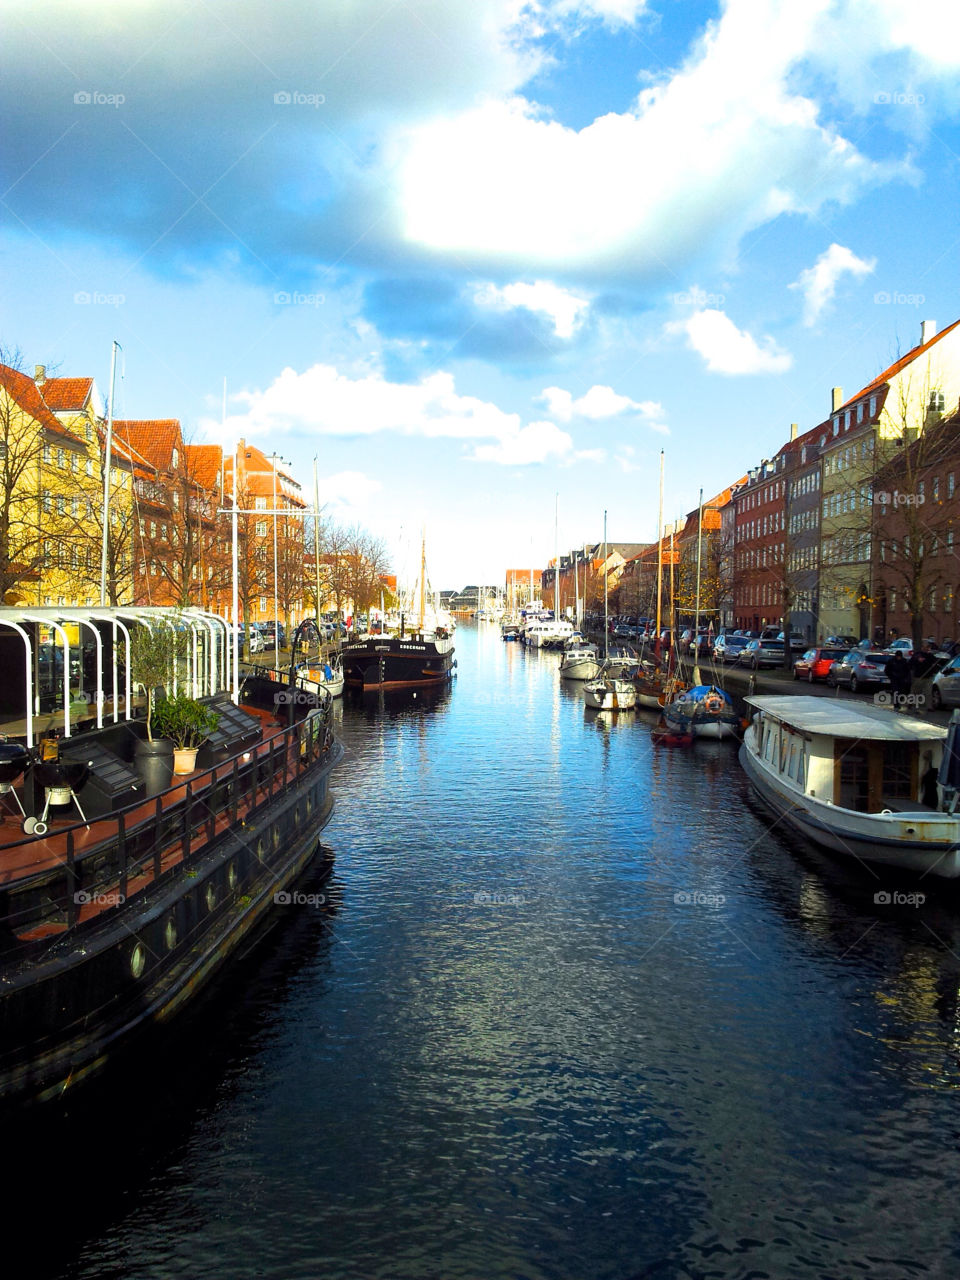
854,776
899,759
801,768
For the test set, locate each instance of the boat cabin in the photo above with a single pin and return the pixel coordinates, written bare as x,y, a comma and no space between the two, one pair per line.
864,758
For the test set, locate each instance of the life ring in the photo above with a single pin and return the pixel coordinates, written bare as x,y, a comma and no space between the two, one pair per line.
713,703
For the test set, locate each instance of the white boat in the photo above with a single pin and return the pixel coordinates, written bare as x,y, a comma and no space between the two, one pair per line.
326,675
610,693
858,779
580,661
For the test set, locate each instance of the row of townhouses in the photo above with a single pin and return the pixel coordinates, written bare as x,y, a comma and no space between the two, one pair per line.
849,529
169,534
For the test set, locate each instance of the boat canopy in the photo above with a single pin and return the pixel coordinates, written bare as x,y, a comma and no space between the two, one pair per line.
58,672
842,719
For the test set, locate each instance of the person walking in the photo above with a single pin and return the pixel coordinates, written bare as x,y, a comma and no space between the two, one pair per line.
901,680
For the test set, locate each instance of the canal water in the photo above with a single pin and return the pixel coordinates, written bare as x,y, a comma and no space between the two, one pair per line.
568,1009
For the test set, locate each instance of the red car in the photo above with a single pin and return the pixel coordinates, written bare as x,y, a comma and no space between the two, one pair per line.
815,664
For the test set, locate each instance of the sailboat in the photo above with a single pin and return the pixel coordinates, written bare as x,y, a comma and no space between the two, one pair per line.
420,657
613,689
705,710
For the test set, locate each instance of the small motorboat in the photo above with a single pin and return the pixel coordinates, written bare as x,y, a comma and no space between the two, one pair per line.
610,693
704,710
665,736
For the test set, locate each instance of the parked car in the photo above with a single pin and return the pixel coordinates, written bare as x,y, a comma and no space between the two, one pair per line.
945,688
797,641
815,664
860,669
257,643
728,648
702,642
903,644
269,629
761,653
843,642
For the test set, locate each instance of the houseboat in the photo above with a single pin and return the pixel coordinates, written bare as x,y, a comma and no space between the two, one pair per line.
857,779
120,899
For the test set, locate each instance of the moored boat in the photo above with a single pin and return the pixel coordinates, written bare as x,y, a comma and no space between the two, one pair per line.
704,710
580,661
610,693
859,780
118,905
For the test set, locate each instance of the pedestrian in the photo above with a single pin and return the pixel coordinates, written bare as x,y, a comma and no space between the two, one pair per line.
901,679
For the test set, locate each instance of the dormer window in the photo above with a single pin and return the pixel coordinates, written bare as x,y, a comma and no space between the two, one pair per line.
836,426
176,458
860,411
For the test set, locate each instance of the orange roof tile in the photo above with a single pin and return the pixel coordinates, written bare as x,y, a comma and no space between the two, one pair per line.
64,394
205,464
24,391
153,438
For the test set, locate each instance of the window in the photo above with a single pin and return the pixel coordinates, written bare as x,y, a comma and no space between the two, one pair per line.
260,504
46,453
860,411
873,406
263,604
176,500
175,458
61,458
950,485
89,466
261,528
74,462
935,489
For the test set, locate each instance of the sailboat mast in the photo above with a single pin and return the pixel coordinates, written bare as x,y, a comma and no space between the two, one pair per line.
659,557
696,623
423,575
606,612
556,555
316,533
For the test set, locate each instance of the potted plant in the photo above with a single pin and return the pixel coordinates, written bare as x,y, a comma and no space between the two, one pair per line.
187,723
155,652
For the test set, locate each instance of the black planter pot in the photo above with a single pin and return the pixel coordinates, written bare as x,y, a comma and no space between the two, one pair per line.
154,761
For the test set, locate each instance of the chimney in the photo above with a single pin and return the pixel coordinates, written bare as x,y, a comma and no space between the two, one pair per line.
837,399
928,331
794,429
39,374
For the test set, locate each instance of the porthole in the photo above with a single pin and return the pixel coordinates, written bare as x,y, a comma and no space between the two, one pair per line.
276,837
210,897
260,848
232,875
296,816
170,933
138,960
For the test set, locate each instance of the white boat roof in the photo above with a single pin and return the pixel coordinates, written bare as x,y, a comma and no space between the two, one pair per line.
840,718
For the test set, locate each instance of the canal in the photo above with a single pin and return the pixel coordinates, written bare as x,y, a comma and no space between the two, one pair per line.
568,1009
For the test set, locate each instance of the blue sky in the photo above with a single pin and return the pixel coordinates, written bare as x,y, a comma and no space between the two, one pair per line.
473,254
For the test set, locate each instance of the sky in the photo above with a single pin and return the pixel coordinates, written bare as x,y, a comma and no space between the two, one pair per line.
481,259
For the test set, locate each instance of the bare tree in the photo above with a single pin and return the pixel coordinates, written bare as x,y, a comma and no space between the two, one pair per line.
24,434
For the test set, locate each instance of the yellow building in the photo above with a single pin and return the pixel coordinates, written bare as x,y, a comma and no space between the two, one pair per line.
49,508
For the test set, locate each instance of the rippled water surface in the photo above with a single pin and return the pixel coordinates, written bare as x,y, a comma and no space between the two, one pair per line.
573,1012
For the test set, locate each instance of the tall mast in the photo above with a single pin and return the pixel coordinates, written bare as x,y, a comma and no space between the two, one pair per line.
659,557
696,623
316,532
107,465
423,575
556,556
606,614
673,611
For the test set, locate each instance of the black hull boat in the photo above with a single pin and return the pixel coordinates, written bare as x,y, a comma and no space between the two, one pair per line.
111,923
392,662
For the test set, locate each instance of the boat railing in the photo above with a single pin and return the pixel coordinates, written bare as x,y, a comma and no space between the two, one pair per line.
102,865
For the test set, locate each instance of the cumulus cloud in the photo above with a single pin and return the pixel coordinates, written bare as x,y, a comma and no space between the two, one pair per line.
819,282
727,349
646,187
598,403
536,442
322,401
564,309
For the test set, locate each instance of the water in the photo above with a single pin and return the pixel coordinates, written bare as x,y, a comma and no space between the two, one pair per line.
573,1012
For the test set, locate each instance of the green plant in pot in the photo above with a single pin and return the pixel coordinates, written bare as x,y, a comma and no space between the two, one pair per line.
156,652
187,723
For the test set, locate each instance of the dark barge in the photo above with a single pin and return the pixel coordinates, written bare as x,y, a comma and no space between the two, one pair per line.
112,922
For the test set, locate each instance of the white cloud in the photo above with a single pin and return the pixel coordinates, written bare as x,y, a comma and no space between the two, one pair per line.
351,489
819,282
723,146
565,309
321,401
536,442
597,403
727,349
